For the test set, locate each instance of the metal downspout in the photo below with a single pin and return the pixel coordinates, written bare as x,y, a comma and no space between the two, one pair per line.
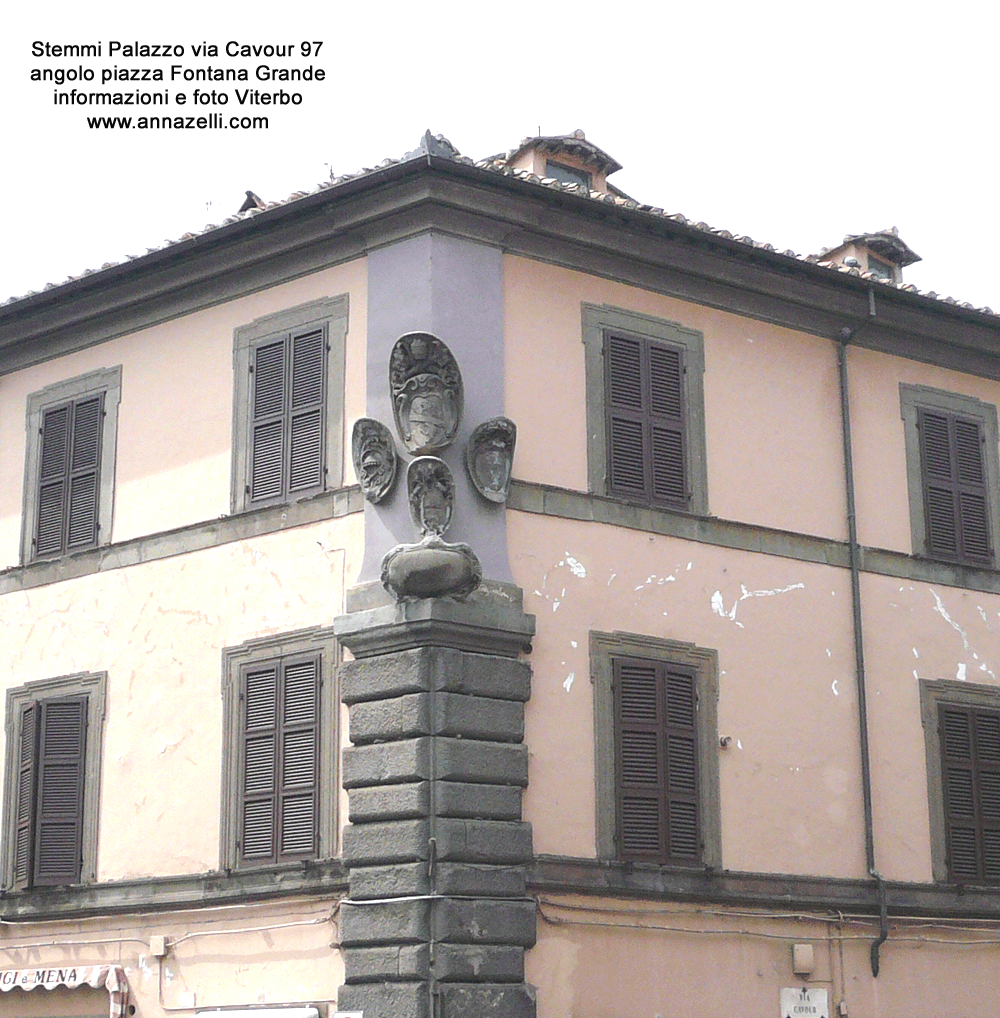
846,335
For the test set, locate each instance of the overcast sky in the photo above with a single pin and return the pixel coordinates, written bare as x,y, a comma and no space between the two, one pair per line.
795,123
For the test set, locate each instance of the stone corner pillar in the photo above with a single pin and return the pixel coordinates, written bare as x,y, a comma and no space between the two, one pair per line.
438,918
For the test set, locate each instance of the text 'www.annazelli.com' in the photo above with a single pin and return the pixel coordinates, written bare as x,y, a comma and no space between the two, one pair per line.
213,121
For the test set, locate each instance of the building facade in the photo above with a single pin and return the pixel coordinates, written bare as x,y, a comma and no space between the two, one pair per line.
720,726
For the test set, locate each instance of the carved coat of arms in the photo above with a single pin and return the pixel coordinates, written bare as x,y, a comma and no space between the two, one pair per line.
426,389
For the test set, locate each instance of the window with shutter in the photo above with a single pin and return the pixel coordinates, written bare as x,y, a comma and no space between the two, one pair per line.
280,718
953,473
645,409
279,756
657,769
288,417
50,829
72,430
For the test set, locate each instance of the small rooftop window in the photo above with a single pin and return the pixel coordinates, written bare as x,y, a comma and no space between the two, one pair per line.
567,174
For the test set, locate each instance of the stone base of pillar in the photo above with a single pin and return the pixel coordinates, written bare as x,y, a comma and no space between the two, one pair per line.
437,920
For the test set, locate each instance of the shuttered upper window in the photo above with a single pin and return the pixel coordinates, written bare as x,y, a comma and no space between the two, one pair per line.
645,409
956,496
952,474
288,414
69,478
656,750
52,785
647,456
279,770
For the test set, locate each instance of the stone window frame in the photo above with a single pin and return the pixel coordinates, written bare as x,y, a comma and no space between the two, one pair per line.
604,649
913,398
331,312
313,640
598,321
93,686
106,380
933,694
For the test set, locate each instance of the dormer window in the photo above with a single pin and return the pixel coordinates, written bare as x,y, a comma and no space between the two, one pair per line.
880,269
567,174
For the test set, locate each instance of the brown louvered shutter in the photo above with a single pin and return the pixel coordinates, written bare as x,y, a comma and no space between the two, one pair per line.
288,416
644,392
656,762
58,842
279,794
956,503
267,429
69,477
24,824
970,770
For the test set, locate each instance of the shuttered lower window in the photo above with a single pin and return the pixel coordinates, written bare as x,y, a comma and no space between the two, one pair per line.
955,489
656,761
288,420
48,823
279,769
970,770
69,482
646,436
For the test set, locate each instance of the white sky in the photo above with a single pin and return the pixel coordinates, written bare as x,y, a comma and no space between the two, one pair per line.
795,123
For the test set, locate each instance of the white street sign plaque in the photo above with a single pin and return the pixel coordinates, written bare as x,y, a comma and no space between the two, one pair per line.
804,1002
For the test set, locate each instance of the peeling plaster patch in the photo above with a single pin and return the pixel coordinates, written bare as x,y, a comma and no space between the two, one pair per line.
568,681
613,575
168,975
572,643
915,674
539,593
690,564
555,605
915,654
144,967
718,606
576,567
833,686
982,614
939,607
960,674
739,745
828,652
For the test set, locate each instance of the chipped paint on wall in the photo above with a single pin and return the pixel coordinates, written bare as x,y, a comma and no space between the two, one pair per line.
718,604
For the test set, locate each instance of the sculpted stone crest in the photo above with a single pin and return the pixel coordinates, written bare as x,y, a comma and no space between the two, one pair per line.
489,456
432,568
374,454
427,394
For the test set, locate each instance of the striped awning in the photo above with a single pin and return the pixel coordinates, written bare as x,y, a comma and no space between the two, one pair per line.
111,977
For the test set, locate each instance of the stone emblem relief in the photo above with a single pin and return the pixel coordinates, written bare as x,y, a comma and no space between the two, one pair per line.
489,457
427,394
430,488
374,454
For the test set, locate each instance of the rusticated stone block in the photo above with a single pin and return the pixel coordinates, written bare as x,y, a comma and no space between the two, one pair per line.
464,921
442,668
450,714
386,1000
498,1000
385,922
398,879
378,803
385,763
492,963
478,801
393,841
487,841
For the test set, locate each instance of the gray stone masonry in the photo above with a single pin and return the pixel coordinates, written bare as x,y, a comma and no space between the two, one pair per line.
438,919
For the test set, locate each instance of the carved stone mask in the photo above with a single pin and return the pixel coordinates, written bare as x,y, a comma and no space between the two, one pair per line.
489,456
374,454
431,492
427,395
